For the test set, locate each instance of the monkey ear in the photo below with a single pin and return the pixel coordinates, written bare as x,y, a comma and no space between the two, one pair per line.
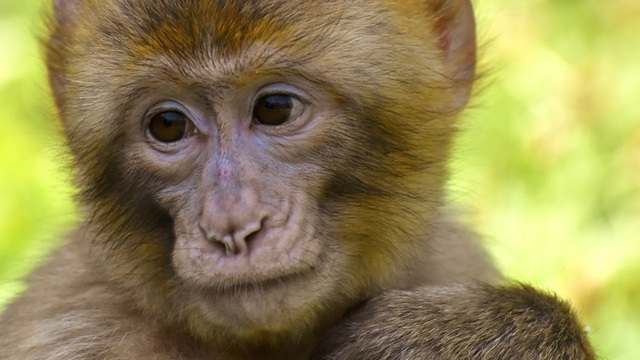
65,11
455,27
63,15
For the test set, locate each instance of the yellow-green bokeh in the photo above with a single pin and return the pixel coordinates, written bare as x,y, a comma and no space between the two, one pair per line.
548,163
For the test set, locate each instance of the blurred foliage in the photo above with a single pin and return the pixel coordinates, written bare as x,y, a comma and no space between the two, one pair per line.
35,201
549,157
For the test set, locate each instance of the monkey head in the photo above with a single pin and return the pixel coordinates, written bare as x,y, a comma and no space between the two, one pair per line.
253,164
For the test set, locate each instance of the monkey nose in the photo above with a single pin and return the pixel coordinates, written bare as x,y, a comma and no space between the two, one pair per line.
233,241
232,219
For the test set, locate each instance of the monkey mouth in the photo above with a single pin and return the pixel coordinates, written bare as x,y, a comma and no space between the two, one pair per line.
271,261
263,285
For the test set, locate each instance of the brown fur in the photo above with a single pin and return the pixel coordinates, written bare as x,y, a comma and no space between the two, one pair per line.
514,322
387,78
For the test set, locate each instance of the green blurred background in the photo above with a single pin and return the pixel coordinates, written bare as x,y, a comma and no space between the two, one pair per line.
549,160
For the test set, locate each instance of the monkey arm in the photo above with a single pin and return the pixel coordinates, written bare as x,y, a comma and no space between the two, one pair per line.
70,312
460,322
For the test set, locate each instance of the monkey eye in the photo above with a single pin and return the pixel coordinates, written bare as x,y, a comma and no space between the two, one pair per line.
169,126
276,109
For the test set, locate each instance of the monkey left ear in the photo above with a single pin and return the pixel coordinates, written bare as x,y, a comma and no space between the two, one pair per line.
65,11
456,30
64,14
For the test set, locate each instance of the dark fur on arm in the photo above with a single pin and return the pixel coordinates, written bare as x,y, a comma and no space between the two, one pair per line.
491,322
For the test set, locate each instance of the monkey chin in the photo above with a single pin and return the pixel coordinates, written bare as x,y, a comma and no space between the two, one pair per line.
288,310
267,307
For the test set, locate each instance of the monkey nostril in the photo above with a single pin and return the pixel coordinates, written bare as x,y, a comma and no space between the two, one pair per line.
219,246
249,238
229,244
242,238
233,241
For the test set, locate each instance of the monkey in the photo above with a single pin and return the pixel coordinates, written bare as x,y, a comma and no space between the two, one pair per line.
264,180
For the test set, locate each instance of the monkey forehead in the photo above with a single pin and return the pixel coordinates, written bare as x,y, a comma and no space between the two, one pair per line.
214,27
233,36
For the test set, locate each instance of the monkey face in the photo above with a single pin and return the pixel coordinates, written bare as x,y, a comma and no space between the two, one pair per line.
242,171
250,164
253,218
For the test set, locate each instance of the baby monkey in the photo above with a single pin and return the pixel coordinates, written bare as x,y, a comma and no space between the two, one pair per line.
263,179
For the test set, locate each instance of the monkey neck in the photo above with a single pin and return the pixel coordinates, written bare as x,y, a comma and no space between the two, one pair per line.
241,349
169,339
267,344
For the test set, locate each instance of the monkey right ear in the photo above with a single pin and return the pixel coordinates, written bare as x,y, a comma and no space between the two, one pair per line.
451,25
455,27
